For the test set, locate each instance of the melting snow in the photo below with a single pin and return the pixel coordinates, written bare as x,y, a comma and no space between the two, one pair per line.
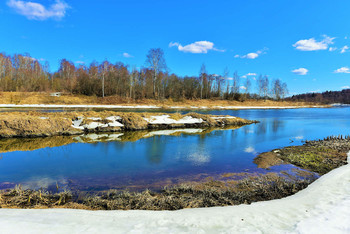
93,125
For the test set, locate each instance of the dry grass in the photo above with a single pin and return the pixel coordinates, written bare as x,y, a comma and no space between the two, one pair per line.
268,159
39,124
45,98
189,195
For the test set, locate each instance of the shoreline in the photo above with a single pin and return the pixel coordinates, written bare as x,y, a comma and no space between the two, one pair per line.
323,206
136,107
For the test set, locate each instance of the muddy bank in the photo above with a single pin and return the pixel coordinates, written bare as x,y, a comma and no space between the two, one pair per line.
36,124
319,156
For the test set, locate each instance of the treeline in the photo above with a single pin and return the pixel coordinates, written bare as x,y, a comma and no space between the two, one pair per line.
24,73
325,97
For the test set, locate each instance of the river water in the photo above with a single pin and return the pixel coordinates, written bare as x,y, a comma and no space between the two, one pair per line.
141,160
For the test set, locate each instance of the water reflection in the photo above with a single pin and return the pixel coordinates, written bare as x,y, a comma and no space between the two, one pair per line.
154,159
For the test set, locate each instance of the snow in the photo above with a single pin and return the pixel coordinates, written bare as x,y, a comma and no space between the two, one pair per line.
53,106
165,119
224,117
323,207
43,117
77,106
93,125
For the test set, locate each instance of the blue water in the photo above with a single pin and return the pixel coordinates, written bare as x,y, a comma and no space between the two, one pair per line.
157,161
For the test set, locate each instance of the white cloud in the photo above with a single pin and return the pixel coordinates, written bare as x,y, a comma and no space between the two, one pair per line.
312,45
300,71
345,87
127,55
331,49
243,87
198,47
342,70
37,11
79,62
250,150
344,49
244,76
252,55
251,74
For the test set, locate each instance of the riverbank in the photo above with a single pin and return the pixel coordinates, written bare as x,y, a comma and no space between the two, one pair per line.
202,194
37,124
323,207
45,100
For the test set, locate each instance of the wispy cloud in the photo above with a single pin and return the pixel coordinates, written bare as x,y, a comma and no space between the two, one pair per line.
198,47
252,55
342,70
37,11
312,44
344,49
127,55
251,74
345,87
79,62
300,71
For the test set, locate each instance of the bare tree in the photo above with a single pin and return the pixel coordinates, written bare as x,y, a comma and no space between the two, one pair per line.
156,61
235,85
202,77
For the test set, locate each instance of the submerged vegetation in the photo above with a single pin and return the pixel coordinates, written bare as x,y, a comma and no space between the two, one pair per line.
319,156
188,195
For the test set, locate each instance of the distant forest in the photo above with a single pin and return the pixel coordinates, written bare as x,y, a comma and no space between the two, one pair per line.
24,73
325,97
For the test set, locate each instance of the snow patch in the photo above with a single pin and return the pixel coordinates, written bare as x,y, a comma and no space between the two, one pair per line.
93,125
224,117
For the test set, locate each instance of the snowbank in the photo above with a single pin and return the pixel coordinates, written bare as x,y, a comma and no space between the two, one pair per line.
53,106
77,106
93,125
323,207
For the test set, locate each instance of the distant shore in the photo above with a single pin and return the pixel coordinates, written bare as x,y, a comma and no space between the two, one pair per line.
45,100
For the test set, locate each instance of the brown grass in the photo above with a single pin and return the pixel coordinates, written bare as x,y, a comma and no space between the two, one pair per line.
45,98
188,195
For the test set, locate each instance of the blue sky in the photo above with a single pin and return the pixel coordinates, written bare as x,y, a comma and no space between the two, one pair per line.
304,43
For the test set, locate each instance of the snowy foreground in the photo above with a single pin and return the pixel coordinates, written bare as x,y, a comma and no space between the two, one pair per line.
323,207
